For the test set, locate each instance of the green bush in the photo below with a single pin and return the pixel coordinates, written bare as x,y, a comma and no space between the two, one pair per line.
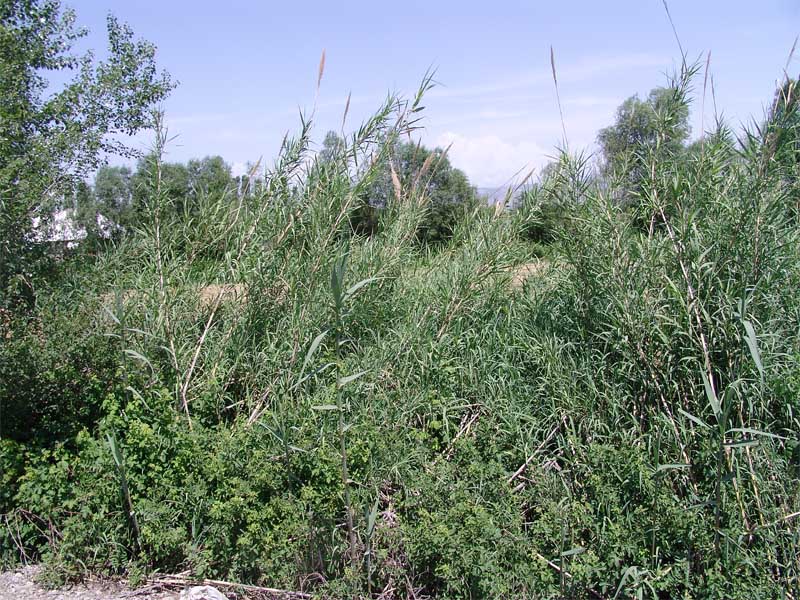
357,416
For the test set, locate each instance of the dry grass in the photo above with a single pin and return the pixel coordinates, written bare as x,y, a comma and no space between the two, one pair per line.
229,292
521,273
207,294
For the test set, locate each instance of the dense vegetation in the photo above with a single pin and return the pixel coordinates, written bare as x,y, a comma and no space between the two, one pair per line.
50,140
246,383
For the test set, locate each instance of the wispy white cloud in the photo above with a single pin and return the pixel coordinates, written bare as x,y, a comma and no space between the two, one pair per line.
583,70
199,118
591,68
239,168
592,101
489,160
497,127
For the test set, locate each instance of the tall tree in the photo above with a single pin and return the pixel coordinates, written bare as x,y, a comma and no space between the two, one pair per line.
174,181
331,146
448,190
184,184
50,140
208,176
113,195
659,123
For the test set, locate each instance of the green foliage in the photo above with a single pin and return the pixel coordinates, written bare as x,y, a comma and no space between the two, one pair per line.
54,378
541,212
409,169
450,195
50,140
409,423
209,176
645,130
113,192
117,203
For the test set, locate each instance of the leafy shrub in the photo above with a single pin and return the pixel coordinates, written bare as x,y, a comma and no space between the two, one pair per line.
366,417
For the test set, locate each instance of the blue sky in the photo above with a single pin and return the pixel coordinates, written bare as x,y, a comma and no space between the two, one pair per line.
246,67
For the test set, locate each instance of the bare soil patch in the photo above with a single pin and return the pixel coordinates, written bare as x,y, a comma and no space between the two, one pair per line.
521,273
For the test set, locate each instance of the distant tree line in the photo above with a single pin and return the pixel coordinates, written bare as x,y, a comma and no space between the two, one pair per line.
114,203
448,190
117,199
655,127
51,141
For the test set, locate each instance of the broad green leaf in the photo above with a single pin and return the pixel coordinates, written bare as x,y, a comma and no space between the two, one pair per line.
750,431
752,343
712,396
111,314
337,281
311,374
371,516
345,380
354,288
742,444
693,419
310,354
672,466
115,452
139,331
139,357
